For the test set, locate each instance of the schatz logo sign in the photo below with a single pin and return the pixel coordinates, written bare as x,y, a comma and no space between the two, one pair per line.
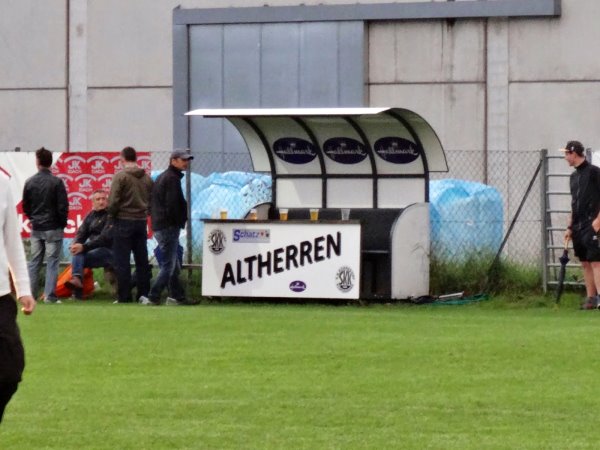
243,235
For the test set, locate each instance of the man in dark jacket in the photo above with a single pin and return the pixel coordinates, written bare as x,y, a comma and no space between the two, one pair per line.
169,215
583,226
46,205
92,246
128,207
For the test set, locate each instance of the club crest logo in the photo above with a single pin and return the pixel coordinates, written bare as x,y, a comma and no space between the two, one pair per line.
216,241
344,279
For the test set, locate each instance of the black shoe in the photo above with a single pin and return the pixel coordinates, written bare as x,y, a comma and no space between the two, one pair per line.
74,283
590,303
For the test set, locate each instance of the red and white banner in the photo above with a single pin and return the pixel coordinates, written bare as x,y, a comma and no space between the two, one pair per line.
82,172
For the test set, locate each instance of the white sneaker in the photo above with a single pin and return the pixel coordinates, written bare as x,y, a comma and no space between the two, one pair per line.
52,302
172,302
146,301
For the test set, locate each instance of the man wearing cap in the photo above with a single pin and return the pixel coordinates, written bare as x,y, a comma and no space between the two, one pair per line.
169,215
583,225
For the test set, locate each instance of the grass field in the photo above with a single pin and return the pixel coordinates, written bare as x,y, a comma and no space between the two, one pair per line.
265,376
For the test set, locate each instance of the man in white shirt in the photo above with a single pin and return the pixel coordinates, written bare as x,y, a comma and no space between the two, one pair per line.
12,258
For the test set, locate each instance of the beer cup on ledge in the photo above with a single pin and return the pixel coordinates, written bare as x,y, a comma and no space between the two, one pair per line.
283,214
223,213
314,214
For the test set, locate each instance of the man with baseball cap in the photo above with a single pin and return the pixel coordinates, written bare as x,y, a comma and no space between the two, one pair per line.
169,216
584,221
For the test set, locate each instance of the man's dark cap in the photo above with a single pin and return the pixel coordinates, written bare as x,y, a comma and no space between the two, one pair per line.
181,153
574,146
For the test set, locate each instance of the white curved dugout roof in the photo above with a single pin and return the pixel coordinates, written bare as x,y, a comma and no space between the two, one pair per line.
340,157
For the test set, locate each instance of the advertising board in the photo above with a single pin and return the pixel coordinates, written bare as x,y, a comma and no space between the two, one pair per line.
281,259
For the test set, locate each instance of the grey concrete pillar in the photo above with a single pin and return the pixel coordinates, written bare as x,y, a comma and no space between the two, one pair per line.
77,66
497,85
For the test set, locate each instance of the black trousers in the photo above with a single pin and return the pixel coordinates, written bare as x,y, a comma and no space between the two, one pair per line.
6,392
12,355
131,236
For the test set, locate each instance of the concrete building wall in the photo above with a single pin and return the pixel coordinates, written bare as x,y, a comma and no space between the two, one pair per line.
437,68
32,74
555,78
97,75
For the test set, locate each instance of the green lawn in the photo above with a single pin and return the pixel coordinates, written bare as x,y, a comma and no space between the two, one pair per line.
242,376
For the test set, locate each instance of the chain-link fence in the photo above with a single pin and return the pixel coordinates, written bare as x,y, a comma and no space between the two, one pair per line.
510,174
472,215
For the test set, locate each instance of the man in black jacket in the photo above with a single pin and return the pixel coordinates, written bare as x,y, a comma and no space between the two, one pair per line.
46,205
583,225
92,246
169,215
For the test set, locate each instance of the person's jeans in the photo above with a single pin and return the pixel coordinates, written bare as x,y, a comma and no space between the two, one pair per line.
97,257
168,276
131,236
47,243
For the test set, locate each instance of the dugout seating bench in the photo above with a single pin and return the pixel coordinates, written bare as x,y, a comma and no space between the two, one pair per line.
376,243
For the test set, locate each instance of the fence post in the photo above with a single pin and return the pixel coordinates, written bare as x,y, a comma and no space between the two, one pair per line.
188,225
544,217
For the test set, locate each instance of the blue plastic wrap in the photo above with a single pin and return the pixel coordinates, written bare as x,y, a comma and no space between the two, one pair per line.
466,218
238,192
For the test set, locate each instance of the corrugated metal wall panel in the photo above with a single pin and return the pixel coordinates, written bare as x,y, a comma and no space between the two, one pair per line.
280,74
269,65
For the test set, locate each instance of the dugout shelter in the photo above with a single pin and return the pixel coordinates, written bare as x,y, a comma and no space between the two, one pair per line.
373,161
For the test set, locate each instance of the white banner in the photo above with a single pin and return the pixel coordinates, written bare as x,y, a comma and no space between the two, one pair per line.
281,259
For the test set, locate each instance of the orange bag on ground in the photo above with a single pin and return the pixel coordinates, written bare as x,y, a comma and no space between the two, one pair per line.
63,291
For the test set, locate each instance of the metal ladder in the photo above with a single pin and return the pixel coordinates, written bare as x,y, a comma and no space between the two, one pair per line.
555,202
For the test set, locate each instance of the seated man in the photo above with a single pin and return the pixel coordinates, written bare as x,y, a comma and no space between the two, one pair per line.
92,246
